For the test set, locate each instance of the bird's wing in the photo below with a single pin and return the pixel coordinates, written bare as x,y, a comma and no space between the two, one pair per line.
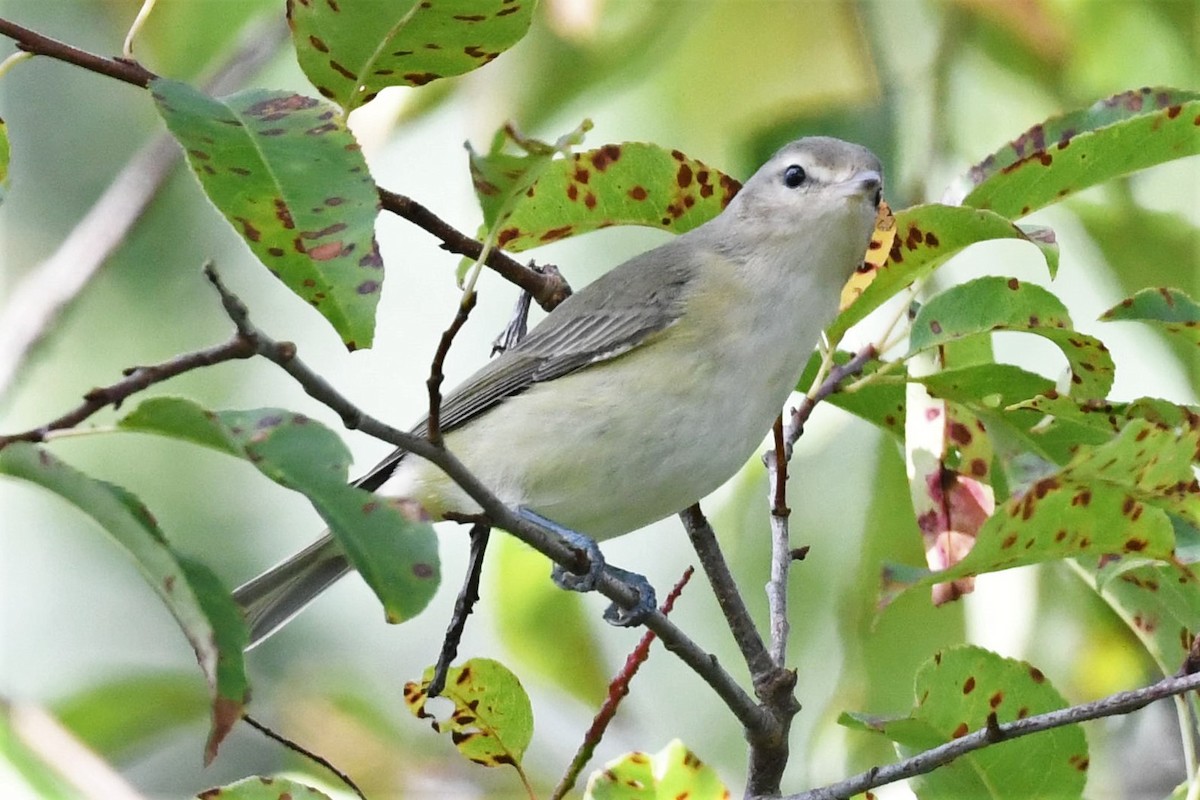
580,332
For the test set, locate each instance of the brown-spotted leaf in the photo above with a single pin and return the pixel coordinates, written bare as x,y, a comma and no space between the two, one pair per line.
260,788
882,238
492,720
1171,309
388,542
617,184
925,237
995,303
352,49
955,693
1066,154
290,178
1111,499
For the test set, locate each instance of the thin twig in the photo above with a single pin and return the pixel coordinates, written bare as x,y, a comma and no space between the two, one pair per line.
800,414
137,379
922,763
468,596
546,286
617,690
38,44
781,549
725,589
436,376
309,754
47,290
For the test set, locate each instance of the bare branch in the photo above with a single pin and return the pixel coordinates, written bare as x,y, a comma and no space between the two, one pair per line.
729,598
33,42
436,376
546,286
922,763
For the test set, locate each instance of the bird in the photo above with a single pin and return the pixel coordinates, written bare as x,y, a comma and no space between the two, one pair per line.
650,387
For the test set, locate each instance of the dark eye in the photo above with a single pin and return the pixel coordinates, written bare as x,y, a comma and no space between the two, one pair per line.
793,176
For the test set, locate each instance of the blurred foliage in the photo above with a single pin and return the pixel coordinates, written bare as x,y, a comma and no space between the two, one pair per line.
931,87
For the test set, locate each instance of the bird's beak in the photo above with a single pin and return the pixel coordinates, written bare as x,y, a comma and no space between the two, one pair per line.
867,183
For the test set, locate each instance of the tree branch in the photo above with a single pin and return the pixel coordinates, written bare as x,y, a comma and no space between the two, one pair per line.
922,763
546,285
34,42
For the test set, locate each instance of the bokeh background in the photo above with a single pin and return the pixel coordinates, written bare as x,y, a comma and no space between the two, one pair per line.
931,86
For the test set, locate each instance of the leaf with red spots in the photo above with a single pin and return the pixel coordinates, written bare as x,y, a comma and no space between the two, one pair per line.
193,594
990,304
1111,499
389,543
955,692
352,50
617,184
260,788
289,177
1171,309
926,237
1066,154
883,236
492,720
1102,418
673,772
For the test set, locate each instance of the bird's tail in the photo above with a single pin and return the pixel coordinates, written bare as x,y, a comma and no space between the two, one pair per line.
274,597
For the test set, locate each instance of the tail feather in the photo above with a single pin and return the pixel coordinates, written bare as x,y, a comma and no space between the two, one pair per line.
274,597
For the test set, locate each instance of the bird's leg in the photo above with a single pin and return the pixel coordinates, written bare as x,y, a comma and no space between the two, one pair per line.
588,581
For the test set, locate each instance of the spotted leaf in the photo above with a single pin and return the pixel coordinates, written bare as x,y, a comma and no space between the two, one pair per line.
617,184
492,720
992,304
289,177
1171,309
1112,499
673,772
352,50
389,543
194,595
259,788
925,238
1161,605
955,693
882,238
1066,154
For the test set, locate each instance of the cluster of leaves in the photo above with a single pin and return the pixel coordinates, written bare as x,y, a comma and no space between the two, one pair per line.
1006,467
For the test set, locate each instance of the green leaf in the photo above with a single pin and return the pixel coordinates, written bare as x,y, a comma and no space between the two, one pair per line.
200,604
993,303
673,772
1171,309
540,623
927,236
1161,605
1066,154
396,555
288,175
4,156
617,184
1110,499
492,720
954,693
124,715
352,50
260,788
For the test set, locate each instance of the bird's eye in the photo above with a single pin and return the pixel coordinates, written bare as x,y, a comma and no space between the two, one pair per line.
793,176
